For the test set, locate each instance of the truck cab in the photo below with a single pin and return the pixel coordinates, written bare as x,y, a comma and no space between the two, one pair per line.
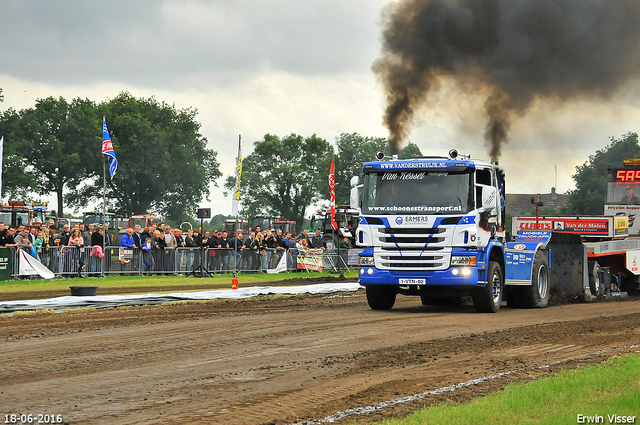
144,220
347,220
18,213
433,227
271,222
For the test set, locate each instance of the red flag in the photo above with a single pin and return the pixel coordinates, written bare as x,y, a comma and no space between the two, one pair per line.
332,191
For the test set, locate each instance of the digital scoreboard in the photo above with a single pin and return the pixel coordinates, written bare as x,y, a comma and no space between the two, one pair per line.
626,175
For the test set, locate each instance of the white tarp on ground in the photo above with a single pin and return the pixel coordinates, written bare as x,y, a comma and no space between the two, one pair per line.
102,301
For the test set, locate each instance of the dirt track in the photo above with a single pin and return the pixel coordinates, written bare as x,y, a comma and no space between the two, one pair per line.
283,360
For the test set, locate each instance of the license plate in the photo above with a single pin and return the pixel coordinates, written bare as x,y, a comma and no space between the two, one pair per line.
413,282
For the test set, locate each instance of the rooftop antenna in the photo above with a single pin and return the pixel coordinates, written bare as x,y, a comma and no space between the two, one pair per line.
555,167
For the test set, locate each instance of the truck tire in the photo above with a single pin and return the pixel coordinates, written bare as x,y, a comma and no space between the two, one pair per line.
487,299
595,285
330,241
537,295
381,297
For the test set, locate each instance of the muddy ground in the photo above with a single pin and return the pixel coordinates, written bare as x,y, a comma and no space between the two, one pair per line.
288,359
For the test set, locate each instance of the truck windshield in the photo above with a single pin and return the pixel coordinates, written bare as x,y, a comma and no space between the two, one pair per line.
418,192
22,218
264,223
142,222
91,218
38,217
623,193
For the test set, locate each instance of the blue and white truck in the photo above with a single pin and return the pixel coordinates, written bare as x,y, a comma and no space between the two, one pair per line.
435,227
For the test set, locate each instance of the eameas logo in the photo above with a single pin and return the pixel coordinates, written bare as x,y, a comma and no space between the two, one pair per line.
399,220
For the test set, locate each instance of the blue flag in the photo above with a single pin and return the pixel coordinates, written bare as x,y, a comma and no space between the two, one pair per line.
107,149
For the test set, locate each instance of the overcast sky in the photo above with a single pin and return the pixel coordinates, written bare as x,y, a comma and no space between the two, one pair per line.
276,67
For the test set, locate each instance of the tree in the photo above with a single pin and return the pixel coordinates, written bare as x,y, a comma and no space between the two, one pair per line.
591,177
164,165
353,151
53,140
17,183
410,151
284,176
216,222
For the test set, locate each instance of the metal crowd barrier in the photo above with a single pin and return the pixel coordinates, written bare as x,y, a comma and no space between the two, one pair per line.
84,261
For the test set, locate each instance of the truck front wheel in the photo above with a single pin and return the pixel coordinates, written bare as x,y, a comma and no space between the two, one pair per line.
537,295
487,299
381,297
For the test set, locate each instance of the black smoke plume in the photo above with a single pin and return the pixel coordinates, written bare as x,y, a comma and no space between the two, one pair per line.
514,51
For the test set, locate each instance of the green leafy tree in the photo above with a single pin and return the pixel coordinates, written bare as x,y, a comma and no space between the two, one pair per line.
591,177
284,176
410,151
353,151
17,181
164,165
216,222
53,140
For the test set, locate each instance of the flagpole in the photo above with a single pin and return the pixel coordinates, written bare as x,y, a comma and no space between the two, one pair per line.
104,207
235,250
107,150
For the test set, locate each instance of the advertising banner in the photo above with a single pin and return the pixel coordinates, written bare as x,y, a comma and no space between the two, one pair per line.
310,260
631,211
6,261
583,226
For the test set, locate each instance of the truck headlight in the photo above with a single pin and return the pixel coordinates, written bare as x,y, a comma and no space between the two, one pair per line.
463,260
366,261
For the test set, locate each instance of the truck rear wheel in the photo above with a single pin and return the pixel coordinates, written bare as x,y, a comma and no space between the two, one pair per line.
537,295
595,285
487,299
381,297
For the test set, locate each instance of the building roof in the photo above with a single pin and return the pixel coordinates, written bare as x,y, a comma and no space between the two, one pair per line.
519,204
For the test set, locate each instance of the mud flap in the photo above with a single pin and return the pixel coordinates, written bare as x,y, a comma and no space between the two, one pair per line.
519,256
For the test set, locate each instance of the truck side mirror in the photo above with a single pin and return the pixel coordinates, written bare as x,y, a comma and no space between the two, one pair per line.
354,197
489,194
354,193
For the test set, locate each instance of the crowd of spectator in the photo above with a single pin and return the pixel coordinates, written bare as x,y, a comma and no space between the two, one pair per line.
152,249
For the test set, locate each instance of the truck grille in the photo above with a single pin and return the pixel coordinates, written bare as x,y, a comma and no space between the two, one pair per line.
418,248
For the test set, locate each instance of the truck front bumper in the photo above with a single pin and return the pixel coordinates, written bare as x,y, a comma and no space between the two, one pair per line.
369,275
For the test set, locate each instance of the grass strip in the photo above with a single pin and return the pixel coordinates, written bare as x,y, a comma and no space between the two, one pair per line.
216,282
595,392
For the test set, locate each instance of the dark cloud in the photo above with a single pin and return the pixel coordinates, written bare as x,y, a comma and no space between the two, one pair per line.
514,51
168,42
